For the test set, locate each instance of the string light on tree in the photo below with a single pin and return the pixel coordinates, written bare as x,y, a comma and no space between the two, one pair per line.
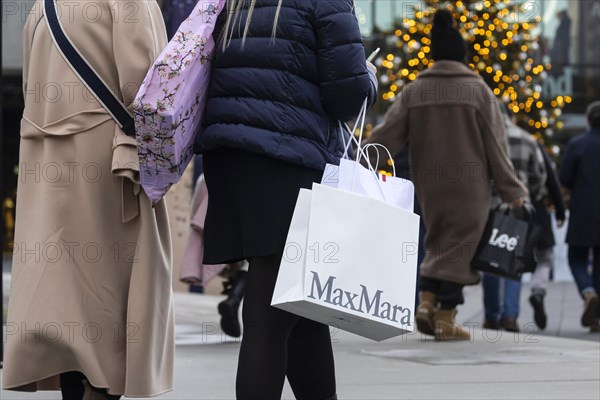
502,49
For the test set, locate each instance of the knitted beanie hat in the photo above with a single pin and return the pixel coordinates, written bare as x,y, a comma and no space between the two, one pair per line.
446,41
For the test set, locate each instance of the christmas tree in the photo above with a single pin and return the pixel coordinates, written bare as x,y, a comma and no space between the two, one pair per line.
501,48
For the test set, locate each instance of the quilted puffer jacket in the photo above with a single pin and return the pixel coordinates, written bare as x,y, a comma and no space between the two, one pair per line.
283,97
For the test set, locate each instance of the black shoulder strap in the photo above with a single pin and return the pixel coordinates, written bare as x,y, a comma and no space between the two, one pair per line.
85,72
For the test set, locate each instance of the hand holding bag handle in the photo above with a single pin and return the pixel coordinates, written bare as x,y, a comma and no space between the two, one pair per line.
527,208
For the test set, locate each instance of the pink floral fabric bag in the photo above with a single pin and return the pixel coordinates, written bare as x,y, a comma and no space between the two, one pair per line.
169,106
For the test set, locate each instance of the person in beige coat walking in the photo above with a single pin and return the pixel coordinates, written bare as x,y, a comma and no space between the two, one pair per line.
90,308
458,152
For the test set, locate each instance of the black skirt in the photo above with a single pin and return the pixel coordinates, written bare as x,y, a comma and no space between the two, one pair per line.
251,200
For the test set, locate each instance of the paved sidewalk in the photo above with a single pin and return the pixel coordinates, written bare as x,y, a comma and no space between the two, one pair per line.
494,365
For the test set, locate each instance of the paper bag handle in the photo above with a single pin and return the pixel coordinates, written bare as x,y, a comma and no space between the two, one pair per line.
378,146
360,120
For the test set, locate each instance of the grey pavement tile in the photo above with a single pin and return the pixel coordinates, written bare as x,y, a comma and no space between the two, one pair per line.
494,365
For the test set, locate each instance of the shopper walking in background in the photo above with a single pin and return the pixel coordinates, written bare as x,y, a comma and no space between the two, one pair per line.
502,297
91,278
580,173
551,196
283,75
455,131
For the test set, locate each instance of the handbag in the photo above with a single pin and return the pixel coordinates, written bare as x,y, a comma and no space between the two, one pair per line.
507,246
168,107
337,271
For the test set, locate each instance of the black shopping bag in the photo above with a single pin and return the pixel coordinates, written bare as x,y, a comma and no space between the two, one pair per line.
507,247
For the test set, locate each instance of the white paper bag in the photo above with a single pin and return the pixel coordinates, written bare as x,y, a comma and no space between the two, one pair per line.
395,191
331,176
337,271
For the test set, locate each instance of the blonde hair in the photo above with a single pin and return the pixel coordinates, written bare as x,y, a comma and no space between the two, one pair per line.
234,8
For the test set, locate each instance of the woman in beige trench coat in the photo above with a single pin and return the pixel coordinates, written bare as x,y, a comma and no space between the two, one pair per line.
90,301
458,152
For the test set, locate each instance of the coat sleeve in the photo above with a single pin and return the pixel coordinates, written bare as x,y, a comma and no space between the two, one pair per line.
137,43
553,186
495,142
568,169
393,132
34,18
26,37
344,79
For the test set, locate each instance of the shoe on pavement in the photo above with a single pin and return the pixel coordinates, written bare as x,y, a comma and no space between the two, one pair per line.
539,314
589,309
491,325
446,328
425,313
509,324
228,308
595,328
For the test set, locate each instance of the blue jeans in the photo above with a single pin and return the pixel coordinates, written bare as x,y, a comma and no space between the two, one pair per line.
579,261
495,308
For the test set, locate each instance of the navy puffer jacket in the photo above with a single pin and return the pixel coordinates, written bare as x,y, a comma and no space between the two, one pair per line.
284,97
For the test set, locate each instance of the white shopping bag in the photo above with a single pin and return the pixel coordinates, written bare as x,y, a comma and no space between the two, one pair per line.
353,177
331,176
357,179
337,271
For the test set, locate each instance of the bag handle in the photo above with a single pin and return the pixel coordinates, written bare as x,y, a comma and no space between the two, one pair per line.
527,209
361,151
378,146
86,72
360,121
361,117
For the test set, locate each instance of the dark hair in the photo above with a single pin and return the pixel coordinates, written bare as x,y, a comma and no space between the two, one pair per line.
593,114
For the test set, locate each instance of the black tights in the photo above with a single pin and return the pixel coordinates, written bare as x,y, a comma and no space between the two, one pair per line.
277,344
71,387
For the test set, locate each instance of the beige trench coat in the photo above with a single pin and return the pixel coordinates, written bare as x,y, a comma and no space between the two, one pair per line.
458,149
91,279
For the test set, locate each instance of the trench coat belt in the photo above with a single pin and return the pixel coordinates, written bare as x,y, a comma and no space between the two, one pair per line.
130,199
125,165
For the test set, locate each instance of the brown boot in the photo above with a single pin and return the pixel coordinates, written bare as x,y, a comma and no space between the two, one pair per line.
509,324
425,313
589,309
446,328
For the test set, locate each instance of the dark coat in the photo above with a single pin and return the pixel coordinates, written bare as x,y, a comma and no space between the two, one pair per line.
283,97
554,196
580,173
458,152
